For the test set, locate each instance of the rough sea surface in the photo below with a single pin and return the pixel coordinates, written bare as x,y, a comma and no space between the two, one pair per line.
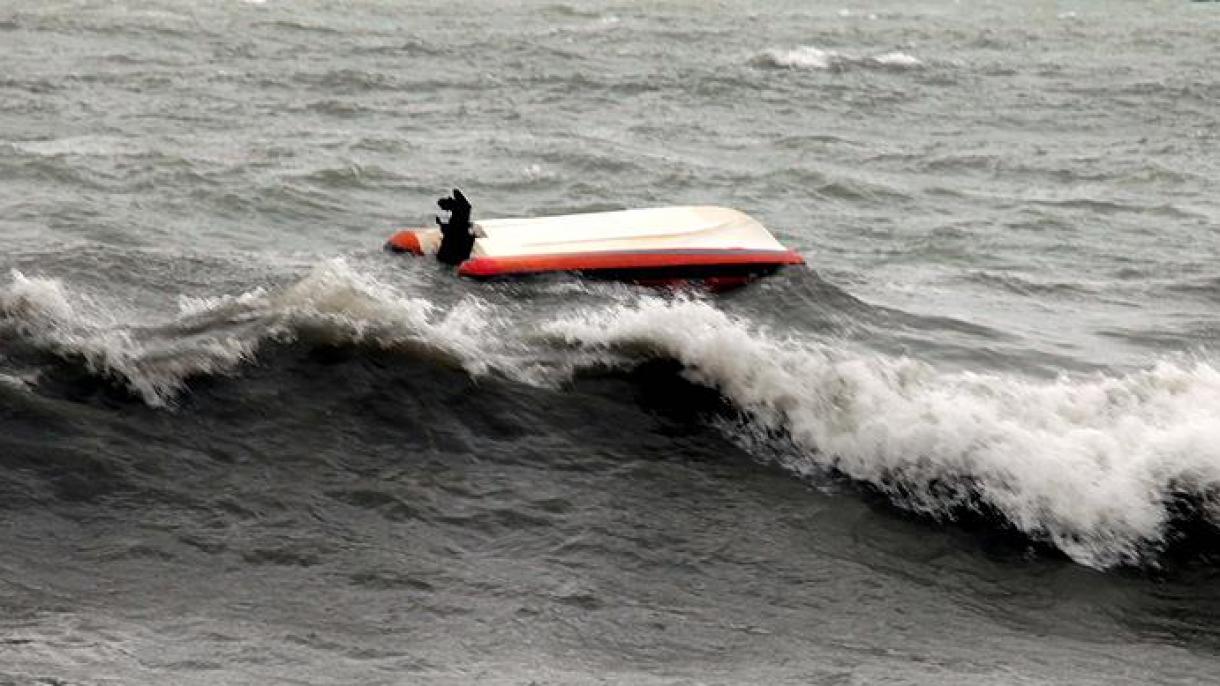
975,441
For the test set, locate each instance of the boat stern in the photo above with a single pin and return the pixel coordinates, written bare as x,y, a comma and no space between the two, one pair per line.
415,241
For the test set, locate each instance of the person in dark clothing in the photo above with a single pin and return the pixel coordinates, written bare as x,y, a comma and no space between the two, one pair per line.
457,234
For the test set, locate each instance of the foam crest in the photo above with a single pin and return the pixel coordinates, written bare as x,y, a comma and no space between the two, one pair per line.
85,146
802,57
1089,464
897,59
14,382
810,57
45,314
352,307
332,303
35,301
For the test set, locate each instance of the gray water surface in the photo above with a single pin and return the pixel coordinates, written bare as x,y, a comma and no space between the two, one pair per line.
974,441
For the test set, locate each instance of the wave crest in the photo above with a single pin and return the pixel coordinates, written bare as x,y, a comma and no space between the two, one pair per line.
1095,465
1092,465
333,303
810,57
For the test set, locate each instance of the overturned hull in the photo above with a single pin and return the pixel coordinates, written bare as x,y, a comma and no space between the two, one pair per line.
718,246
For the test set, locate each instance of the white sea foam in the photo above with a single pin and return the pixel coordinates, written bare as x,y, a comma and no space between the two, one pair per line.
96,146
810,57
802,57
872,16
535,172
1089,464
13,382
37,301
71,324
216,335
900,60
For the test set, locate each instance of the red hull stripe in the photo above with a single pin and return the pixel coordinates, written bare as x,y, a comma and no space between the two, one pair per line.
482,267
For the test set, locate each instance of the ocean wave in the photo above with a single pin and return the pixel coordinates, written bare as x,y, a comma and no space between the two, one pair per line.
1027,286
1093,465
294,25
350,176
1110,206
347,81
36,86
81,146
14,382
568,10
1205,287
332,304
810,57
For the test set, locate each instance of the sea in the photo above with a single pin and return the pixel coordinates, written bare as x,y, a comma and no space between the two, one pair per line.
974,440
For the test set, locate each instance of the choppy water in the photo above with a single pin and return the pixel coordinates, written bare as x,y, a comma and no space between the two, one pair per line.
976,441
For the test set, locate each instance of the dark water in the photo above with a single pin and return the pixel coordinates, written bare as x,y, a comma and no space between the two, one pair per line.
976,441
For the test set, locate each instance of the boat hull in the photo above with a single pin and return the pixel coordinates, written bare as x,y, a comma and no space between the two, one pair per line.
716,247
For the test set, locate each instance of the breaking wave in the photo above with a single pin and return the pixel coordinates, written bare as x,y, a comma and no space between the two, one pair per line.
810,57
333,303
1092,465
15,382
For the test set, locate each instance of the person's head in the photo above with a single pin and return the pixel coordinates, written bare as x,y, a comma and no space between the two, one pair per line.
458,203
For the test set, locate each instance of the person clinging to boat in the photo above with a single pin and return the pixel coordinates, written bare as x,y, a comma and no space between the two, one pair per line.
457,234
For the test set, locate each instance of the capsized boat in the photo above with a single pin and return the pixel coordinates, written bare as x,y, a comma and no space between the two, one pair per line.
717,246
